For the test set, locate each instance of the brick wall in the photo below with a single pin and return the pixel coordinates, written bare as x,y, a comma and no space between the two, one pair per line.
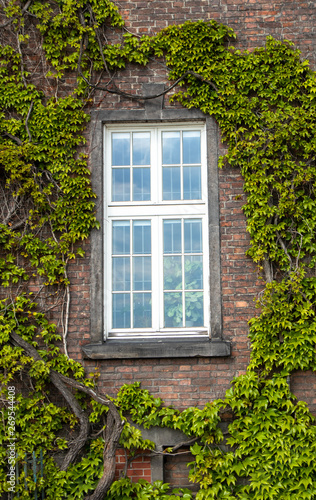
176,469
186,382
139,468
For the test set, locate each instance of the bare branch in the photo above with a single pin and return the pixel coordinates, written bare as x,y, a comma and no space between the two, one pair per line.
27,119
268,270
284,248
58,381
26,6
14,138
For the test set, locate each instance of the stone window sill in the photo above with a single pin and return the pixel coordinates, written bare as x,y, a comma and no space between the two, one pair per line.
126,349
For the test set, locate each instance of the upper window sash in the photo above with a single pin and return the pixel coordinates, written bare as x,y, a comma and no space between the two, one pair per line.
174,174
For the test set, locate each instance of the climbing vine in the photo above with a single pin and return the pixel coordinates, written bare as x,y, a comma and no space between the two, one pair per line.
265,104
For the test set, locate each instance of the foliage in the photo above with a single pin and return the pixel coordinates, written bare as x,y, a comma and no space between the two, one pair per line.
264,102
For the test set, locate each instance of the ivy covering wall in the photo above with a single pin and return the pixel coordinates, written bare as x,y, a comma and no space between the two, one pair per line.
265,104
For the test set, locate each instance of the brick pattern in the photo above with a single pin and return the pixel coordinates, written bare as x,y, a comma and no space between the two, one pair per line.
303,385
137,469
252,20
176,469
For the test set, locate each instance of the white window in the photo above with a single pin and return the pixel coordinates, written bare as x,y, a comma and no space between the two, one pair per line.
156,231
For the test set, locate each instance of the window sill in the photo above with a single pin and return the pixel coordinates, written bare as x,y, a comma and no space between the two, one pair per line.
127,349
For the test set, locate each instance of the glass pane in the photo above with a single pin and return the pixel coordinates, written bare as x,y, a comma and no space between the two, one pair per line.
194,309
121,237
191,183
173,309
172,236
142,273
192,236
193,272
171,148
141,184
142,236
172,273
121,310
141,148
171,189
191,147
120,149
121,274
120,184
142,310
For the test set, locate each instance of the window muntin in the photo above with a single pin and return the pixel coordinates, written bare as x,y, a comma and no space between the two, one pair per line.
156,282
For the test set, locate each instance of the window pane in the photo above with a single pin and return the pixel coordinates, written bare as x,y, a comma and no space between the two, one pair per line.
193,272
192,236
121,237
172,236
142,273
141,148
173,309
191,183
120,184
142,236
121,274
191,147
171,189
172,273
120,149
141,184
121,310
171,148
194,309
142,310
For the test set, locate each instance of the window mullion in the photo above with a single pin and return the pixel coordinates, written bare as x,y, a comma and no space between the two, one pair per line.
183,276
181,166
156,274
132,273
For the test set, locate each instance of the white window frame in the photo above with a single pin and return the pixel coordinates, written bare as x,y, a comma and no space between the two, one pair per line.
155,210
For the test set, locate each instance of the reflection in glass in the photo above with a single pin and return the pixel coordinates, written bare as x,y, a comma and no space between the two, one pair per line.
121,274
141,273
194,309
120,148
192,236
191,147
172,273
141,237
121,310
121,237
142,310
173,316
120,184
171,183
141,148
171,148
172,236
191,183
141,184
193,272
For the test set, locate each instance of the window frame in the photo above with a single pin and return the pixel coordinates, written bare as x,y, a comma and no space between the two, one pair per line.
147,210
94,346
